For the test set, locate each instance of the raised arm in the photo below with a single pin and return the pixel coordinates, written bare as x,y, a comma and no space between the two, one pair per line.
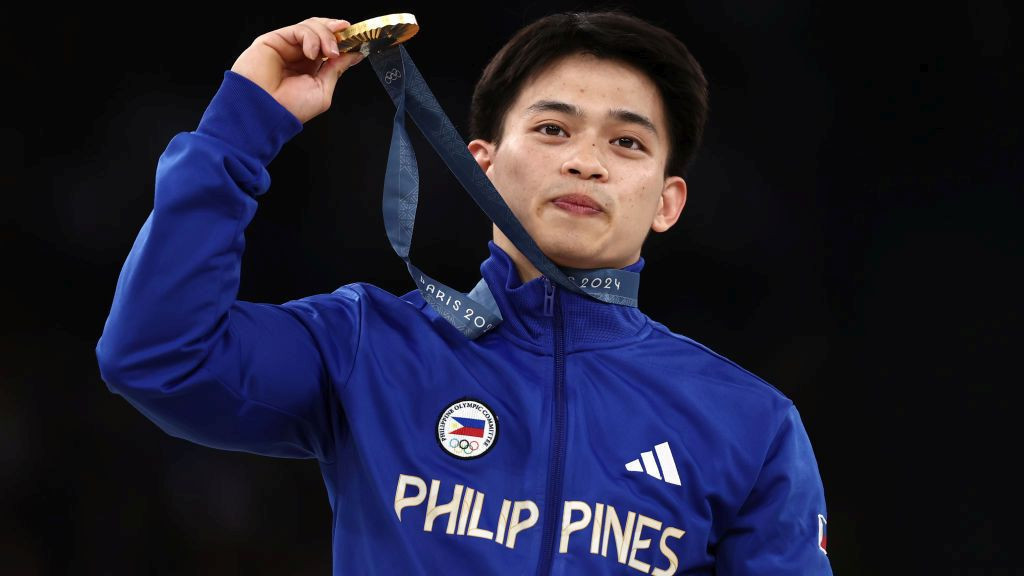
177,344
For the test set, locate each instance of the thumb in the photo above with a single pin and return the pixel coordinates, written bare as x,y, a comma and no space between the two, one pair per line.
333,68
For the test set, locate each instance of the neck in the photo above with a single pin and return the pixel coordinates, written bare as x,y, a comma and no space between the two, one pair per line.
527,271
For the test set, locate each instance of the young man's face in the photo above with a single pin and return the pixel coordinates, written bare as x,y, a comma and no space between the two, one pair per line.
581,164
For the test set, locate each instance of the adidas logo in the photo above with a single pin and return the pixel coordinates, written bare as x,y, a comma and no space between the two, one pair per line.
651,464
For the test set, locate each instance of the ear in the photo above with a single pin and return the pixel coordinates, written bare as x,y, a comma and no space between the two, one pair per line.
483,153
670,204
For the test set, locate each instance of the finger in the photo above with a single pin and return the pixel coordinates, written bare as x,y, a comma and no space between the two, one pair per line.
326,28
318,39
297,41
332,70
310,41
305,40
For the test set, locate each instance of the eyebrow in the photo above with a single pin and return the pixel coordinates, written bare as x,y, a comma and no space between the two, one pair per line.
619,114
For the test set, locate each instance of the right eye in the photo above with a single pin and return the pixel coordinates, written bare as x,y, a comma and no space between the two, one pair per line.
551,130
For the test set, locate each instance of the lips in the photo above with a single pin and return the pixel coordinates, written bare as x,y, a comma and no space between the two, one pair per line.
577,204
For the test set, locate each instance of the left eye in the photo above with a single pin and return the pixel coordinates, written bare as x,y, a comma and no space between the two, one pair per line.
551,129
628,143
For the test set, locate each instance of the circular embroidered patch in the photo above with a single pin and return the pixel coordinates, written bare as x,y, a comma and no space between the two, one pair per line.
467,428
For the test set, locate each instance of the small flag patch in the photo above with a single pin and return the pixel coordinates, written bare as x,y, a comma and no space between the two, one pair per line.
822,533
469,427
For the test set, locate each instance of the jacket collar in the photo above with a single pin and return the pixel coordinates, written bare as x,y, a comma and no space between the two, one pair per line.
586,322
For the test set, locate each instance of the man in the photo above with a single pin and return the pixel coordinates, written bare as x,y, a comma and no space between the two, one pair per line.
577,436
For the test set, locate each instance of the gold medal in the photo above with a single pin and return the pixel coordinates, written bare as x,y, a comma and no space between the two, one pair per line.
381,32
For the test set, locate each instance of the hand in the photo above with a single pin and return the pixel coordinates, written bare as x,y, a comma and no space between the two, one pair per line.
289,64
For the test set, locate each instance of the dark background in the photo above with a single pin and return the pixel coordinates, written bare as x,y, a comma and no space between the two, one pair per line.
850,236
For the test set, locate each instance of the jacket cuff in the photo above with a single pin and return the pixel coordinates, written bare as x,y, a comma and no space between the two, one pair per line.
248,118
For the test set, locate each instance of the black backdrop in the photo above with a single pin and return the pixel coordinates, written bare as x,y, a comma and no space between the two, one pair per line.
849,237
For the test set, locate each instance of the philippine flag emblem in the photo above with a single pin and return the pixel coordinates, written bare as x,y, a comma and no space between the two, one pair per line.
822,533
468,426
467,429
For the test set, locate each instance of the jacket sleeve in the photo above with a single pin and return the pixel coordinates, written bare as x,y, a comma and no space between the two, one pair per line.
780,529
177,344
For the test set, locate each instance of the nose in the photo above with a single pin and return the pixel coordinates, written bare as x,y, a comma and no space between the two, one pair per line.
585,162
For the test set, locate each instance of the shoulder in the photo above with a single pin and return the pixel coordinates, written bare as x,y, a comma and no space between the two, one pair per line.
363,298
737,410
713,371
373,311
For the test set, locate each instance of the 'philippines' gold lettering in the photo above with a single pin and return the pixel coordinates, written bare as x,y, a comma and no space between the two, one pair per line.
466,516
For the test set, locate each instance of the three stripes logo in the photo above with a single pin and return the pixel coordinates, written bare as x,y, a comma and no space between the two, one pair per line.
658,463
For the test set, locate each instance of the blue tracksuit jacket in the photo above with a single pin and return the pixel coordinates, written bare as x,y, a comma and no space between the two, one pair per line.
576,438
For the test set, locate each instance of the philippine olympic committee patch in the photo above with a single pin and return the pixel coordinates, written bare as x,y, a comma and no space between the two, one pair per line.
467,428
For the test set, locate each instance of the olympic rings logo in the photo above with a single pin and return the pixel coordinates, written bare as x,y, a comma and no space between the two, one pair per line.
467,446
392,75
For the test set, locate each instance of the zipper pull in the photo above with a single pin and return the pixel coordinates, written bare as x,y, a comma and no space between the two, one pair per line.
549,297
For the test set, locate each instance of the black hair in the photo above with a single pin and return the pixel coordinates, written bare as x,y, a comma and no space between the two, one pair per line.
614,35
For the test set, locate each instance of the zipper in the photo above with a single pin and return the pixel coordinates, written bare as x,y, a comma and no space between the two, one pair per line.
549,297
557,464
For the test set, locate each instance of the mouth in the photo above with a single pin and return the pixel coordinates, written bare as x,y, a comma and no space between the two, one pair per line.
577,204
